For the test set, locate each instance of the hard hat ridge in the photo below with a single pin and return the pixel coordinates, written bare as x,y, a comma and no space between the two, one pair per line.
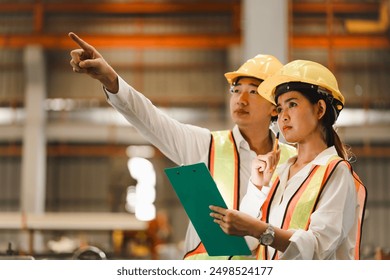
259,67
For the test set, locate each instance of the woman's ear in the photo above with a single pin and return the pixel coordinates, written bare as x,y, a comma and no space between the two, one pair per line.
321,108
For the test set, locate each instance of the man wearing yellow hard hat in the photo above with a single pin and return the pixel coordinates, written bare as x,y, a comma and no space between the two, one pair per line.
312,206
187,144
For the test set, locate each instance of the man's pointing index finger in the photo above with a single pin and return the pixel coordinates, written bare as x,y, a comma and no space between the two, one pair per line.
84,45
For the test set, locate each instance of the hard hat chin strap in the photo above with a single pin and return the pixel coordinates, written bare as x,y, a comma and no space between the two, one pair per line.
328,97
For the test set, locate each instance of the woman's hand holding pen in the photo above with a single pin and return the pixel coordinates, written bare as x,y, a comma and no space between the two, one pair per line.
263,166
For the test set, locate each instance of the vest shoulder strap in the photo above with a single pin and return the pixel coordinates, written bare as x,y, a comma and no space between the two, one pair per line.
306,198
224,166
361,191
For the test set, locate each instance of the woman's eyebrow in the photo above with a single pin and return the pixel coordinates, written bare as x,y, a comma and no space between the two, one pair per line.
286,101
290,99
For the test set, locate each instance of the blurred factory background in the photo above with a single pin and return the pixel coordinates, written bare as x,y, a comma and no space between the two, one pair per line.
67,176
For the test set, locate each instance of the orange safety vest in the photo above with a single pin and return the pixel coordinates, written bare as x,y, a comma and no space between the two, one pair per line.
304,202
225,168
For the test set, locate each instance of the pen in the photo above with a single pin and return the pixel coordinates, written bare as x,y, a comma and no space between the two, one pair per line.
276,142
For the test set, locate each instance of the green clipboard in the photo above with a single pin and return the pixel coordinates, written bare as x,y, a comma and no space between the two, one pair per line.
197,190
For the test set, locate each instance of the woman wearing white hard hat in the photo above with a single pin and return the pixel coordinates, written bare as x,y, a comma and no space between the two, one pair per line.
312,206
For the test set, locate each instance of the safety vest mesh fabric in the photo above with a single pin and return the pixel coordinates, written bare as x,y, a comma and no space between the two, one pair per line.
304,202
224,167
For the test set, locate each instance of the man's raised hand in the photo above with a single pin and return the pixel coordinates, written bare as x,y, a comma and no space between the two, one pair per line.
87,59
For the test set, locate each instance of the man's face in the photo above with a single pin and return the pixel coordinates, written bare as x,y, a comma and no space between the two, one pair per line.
247,108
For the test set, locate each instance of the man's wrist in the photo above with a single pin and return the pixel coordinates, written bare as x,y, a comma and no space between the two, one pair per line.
111,84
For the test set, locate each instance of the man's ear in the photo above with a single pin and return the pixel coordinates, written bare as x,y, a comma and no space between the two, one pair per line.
274,113
321,108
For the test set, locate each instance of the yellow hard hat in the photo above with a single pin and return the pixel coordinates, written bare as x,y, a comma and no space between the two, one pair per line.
304,71
260,67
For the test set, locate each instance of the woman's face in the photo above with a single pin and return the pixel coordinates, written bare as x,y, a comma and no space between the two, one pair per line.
298,119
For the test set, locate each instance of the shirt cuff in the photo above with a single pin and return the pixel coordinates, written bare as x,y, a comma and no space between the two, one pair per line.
253,190
253,200
120,95
300,247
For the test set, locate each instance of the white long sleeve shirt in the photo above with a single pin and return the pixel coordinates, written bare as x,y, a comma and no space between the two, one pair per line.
333,226
181,143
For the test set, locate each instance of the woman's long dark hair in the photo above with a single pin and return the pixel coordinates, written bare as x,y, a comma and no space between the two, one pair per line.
312,93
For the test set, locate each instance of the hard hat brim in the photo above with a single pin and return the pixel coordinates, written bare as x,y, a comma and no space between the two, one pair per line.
232,76
268,87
